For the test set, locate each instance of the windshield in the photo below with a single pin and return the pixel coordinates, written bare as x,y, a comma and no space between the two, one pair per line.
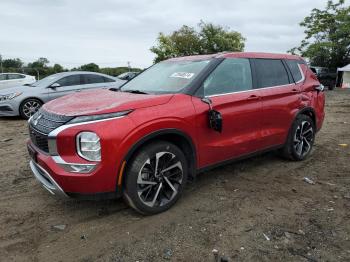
47,80
166,77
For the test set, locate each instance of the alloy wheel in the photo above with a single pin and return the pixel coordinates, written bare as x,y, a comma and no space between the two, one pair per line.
303,138
159,179
31,107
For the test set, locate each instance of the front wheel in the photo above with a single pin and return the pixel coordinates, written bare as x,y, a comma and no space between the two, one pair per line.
155,178
29,107
300,139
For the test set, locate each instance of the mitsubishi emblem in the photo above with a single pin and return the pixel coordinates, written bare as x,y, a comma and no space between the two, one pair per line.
35,122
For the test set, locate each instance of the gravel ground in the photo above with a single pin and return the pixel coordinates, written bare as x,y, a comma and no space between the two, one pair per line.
259,209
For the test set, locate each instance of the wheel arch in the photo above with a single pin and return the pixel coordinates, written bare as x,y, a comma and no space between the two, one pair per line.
308,111
30,97
175,136
26,99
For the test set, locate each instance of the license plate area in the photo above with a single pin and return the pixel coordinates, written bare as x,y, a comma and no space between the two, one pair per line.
32,153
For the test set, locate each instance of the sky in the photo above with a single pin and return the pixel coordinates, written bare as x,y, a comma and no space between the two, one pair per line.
113,32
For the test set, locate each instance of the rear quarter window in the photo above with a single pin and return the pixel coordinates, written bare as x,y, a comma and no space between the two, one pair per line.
108,80
270,72
93,79
295,69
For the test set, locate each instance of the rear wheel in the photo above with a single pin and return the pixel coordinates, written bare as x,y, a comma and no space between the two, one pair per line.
29,107
300,139
155,178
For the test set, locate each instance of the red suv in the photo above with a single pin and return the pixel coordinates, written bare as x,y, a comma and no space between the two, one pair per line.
178,118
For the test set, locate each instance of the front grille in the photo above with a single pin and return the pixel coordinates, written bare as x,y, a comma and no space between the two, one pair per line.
39,139
41,124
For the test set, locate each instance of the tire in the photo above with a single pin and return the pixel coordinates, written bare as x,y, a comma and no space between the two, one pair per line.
331,87
300,139
149,192
29,107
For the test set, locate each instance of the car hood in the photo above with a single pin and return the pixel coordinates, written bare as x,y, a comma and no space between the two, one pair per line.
102,101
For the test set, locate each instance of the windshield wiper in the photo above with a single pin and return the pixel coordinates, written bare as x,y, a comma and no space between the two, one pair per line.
134,91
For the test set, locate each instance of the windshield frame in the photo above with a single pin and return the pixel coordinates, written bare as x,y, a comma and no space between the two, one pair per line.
192,87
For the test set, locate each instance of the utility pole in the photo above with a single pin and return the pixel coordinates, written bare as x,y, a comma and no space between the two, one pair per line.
129,67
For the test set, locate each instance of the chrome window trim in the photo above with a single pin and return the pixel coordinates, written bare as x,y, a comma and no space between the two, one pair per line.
268,87
302,75
254,89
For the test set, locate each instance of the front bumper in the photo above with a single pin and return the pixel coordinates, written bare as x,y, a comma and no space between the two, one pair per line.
99,184
102,181
8,108
46,180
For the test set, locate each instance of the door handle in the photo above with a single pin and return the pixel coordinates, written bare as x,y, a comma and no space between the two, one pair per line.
295,90
78,90
253,97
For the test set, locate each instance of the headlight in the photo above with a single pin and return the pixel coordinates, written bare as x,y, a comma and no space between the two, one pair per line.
82,119
9,96
88,146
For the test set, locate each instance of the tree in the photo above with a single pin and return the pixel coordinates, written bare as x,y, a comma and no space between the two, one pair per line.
41,63
115,71
12,63
40,67
187,41
327,41
92,67
214,39
57,68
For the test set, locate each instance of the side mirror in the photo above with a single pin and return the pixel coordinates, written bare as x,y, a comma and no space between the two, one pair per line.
215,120
215,117
55,85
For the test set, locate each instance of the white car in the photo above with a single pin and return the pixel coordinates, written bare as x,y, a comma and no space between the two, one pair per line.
15,79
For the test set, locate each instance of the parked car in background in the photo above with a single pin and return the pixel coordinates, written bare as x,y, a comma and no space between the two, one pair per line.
325,76
178,118
128,75
15,79
26,100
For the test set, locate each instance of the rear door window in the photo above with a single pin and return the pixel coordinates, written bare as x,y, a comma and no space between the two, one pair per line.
232,75
93,79
2,77
295,70
270,72
72,80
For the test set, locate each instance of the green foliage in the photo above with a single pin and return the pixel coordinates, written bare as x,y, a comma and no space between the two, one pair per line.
327,40
92,67
57,68
12,63
115,71
187,41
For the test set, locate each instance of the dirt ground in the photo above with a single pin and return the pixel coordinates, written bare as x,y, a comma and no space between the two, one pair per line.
259,209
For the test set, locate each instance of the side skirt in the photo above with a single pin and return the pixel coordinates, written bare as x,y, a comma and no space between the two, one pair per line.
233,160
